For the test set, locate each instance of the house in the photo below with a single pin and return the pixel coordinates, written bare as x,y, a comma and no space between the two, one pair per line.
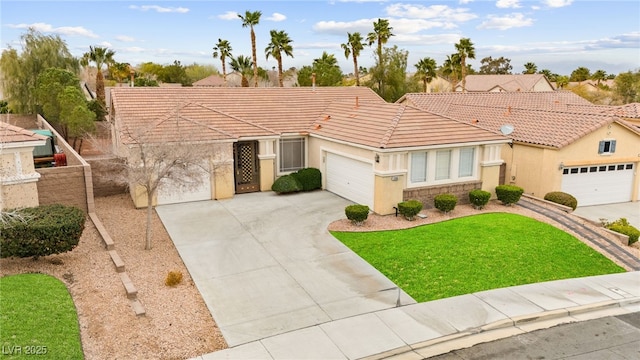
234,79
510,82
18,175
368,151
558,143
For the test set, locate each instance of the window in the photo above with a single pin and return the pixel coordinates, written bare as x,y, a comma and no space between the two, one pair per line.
607,147
443,164
292,154
465,167
418,167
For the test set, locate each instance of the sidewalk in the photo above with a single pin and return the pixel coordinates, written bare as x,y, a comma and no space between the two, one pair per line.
427,329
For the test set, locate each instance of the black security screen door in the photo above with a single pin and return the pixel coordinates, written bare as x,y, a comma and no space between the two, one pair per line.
247,169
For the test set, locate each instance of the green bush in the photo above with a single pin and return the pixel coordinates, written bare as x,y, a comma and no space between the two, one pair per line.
445,202
309,178
286,184
357,213
622,226
409,209
479,198
509,194
44,230
562,198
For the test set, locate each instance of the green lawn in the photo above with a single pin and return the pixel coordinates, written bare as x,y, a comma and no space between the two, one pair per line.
476,253
38,319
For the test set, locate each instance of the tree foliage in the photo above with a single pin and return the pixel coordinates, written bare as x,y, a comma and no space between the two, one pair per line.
426,71
175,74
627,88
499,66
99,56
392,75
251,19
197,72
223,50
354,45
530,68
242,64
326,68
280,44
580,74
21,70
465,50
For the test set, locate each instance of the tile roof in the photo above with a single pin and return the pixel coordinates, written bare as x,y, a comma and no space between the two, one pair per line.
388,126
207,113
13,134
538,118
510,82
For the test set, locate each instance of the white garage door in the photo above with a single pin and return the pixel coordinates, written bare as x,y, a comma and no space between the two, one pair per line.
352,179
602,184
170,192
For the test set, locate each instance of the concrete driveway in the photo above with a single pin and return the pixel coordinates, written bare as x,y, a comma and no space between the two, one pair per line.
265,264
612,212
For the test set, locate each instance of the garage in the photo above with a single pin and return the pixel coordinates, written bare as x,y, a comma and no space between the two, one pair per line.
170,192
350,178
601,184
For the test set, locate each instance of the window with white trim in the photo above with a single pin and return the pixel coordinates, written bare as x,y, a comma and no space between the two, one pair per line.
467,160
292,154
419,167
443,164
607,147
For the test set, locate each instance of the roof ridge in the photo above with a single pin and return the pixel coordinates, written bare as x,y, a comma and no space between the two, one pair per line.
392,127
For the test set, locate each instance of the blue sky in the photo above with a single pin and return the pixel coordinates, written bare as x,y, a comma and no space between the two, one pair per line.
559,35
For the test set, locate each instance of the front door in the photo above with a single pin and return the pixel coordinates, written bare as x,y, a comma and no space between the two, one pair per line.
247,167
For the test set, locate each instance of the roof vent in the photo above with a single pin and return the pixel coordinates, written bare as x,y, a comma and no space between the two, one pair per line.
506,129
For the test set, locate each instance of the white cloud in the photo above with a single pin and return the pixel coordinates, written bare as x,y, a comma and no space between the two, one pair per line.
506,4
160,9
105,44
440,12
276,17
557,3
506,22
465,1
341,27
229,15
125,38
63,30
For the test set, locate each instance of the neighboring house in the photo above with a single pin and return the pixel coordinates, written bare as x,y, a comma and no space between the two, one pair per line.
508,83
18,176
593,155
234,79
368,151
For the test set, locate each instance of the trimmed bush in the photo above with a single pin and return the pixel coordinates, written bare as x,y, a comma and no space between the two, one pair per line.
286,184
479,198
509,194
45,230
445,202
357,213
622,226
309,178
409,209
562,198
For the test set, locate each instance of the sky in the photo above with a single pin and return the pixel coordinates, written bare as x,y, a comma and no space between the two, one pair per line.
558,35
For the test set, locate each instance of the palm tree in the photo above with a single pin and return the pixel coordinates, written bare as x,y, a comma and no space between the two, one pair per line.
100,56
426,71
451,69
250,19
599,75
242,64
380,35
223,50
353,46
530,68
465,50
280,43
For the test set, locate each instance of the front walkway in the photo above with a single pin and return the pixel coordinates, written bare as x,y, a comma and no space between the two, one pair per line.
265,264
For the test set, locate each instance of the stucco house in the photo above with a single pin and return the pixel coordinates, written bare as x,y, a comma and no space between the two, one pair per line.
368,151
558,143
510,82
18,176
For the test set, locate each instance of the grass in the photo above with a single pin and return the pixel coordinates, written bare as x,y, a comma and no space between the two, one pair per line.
476,253
38,319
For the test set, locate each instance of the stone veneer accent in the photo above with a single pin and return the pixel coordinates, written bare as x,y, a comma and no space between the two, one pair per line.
428,193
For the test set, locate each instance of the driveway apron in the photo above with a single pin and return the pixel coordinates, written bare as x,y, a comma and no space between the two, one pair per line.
265,264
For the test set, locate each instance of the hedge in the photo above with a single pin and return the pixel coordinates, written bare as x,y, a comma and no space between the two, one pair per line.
286,184
622,226
562,198
309,178
357,213
43,230
409,209
479,198
509,194
445,202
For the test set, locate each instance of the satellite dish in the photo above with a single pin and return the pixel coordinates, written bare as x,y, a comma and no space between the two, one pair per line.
506,129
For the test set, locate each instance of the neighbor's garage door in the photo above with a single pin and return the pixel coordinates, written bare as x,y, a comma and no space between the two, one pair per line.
350,178
602,184
170,192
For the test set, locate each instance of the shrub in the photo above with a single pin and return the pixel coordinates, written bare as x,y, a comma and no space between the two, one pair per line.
409,209
445,202
309,178
45,230
562,198
509,194
479,198
173,278
357,213
286,184
622,226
